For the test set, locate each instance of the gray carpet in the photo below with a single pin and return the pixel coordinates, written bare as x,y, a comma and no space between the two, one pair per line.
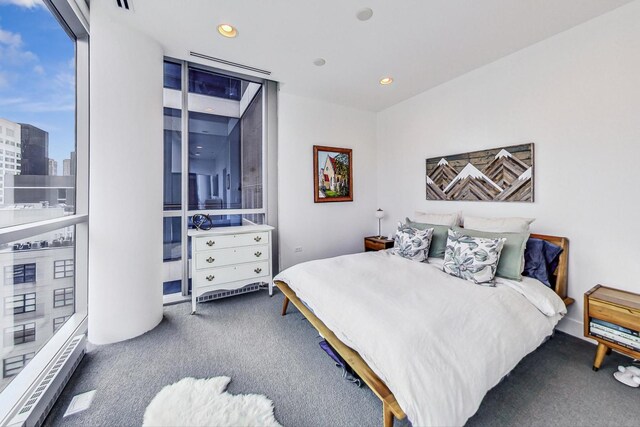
245,337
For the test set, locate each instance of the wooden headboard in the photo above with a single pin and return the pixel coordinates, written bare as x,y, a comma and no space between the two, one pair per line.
560,275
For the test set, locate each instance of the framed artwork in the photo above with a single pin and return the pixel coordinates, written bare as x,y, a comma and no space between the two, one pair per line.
501,174
332,174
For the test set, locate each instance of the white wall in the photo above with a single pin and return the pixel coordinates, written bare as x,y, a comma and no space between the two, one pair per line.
125,246
577,97
322,229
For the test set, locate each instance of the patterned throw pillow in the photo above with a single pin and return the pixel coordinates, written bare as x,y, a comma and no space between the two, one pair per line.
472,258
412,243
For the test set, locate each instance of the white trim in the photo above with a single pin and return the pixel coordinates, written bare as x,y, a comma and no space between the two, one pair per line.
175,299
227,211
23,231
18,389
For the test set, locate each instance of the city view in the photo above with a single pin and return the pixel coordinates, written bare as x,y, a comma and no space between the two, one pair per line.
37,179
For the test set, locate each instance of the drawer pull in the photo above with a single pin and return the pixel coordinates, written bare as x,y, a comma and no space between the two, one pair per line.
210,260
257,238
211,277
258,254
258,270
211,243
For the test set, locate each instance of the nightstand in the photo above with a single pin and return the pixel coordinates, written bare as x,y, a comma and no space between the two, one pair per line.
612,317
376,243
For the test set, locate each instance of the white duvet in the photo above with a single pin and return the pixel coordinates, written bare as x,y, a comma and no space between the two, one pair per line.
438,342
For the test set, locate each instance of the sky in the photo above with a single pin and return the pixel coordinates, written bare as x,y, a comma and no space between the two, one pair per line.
37,73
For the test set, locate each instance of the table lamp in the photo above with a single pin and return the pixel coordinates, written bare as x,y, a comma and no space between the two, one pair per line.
379,215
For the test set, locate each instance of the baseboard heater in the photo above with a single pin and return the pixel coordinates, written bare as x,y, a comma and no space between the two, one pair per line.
45,392
225,293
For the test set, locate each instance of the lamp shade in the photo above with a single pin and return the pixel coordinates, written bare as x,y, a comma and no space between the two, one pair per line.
379,213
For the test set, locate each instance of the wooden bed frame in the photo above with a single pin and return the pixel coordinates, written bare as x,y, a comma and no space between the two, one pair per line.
390,406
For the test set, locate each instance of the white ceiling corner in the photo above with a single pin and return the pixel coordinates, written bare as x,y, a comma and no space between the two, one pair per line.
420,43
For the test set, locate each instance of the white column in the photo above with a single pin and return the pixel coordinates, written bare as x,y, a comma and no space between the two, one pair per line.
125,247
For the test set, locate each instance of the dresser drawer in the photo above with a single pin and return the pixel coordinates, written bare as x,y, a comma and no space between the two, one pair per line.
623,316
228,256
216,276
231,240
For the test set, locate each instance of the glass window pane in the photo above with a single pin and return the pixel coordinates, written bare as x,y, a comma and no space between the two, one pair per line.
34,298
37,121
211,84
172,237
172,159
172,75
251,125
214,162
225,142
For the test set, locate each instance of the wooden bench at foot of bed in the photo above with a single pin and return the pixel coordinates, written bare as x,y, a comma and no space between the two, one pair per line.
390,407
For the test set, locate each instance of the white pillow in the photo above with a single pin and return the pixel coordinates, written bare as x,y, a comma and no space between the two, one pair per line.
412,243
438,219
498,225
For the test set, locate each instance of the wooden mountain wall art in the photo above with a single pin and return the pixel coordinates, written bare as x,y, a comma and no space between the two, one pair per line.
502,174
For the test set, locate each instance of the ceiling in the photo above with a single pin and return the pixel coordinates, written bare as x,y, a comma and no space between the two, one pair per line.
420,43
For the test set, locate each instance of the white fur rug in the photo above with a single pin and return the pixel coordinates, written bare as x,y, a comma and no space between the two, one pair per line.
204,402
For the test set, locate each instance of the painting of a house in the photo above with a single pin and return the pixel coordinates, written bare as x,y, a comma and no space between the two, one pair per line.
332,172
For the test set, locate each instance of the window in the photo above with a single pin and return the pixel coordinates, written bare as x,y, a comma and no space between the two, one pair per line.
62,297
20,334
222,153
12,365
59,321
24,303
63,268
20,273
55,40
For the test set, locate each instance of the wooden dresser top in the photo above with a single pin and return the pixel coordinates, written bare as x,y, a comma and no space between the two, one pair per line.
615,296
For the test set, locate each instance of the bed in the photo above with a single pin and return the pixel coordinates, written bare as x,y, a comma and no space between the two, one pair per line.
429,345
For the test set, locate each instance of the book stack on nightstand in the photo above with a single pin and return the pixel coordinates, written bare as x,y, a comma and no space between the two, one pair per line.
377,243
612,317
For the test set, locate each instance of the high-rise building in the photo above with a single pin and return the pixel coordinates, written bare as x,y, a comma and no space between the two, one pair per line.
10,152
38,292
53,167
35,150
69,165
66,167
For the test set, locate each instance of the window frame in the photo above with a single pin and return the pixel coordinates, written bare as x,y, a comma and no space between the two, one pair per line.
22,329
57,324
24,359
10,274
73,17
11,303
65,271
269,165
67,297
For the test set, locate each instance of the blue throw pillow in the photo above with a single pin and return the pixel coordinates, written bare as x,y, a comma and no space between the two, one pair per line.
541,260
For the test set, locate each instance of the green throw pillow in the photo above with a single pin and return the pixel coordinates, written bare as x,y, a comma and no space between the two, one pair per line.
438,240
511,261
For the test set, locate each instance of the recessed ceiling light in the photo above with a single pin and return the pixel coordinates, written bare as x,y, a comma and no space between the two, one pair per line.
386,80
198,146
208,109
319,62
197,154
364,14
227,30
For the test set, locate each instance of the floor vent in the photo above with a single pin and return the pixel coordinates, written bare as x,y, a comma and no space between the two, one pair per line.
39,403
233,64
224,293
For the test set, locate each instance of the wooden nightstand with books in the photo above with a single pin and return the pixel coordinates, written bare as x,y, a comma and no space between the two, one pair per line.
612,317
377,243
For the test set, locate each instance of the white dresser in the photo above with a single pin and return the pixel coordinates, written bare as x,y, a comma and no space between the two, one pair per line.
228,259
